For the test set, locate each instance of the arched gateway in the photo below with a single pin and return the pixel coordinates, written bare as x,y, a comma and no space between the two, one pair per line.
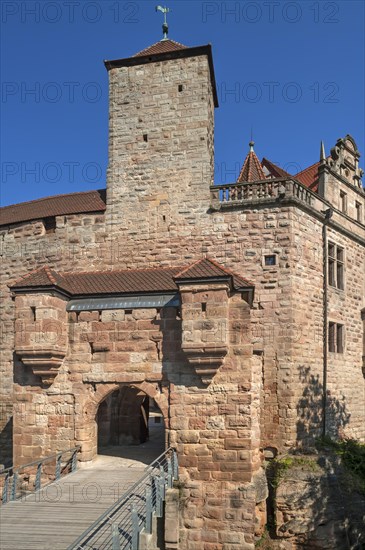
124,414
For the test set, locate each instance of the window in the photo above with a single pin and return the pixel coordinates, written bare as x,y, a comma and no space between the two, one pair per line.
358,211
336,266
335,337
270,259
343,202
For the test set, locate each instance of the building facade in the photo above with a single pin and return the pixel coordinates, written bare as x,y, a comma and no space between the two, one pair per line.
240,308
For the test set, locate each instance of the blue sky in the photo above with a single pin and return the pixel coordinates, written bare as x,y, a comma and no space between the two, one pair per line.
292,71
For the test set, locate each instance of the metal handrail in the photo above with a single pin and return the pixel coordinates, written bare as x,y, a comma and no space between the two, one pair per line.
119,527
12,475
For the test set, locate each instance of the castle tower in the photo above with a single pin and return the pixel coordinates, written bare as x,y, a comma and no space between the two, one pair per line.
161,132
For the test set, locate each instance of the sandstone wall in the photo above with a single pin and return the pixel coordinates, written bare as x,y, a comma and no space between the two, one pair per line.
75,245
160,146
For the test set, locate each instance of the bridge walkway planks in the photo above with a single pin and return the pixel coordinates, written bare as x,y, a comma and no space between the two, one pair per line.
55,516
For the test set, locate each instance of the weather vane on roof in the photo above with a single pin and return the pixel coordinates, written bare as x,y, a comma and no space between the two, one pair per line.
165,27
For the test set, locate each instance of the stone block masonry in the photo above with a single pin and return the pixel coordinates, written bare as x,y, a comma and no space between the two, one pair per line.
236,371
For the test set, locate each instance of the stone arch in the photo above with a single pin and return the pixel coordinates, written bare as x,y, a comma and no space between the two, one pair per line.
85,421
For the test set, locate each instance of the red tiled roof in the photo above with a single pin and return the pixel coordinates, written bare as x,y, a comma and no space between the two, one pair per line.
251,169
161,47
206,268
59,205
124,282
309,177
44,277
275,171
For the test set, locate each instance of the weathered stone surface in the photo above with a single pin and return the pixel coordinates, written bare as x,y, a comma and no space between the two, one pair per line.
160,213
318,506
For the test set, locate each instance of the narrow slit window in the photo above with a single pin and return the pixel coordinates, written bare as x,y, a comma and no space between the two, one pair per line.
145,137
343,202
358,208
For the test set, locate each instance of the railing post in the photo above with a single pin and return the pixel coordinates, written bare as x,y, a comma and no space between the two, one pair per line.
169,473
154,491
135,529
158,498
74,461
38,477
14,486
148,511
6,488
58,467
162,489
115,536
176,465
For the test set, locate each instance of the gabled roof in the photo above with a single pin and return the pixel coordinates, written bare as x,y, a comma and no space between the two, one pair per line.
309,176
131,281
59,205
42,277
161,47
208,268
251,169
274,170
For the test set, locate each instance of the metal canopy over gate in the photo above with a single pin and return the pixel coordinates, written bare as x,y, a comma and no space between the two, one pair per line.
124,302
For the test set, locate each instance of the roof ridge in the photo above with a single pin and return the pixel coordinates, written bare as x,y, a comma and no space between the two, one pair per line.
75,273
311,166
52,197
49,274
221,267
275,166
162,42
228,270
30,273
250,164
189,267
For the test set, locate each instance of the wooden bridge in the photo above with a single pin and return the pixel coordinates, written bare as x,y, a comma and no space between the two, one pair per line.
57,515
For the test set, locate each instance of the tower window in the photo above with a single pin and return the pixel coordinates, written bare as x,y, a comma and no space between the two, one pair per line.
181,87
145,137
336,266
335,337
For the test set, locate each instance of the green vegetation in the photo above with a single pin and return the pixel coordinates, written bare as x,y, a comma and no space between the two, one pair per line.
352,454
265,542
281,465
